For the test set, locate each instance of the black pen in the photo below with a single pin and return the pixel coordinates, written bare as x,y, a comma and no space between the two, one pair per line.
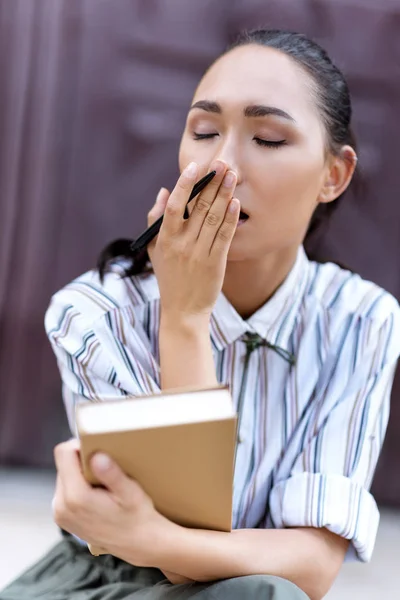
147,236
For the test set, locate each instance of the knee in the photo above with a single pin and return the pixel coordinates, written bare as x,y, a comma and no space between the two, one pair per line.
259,586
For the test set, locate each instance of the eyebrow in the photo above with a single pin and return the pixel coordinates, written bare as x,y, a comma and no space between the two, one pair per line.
255,110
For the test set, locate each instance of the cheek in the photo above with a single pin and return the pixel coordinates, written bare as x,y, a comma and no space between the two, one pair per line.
187,152
200,152
288,180
283,196
182,160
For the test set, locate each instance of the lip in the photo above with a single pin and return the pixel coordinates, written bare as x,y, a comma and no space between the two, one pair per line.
242,222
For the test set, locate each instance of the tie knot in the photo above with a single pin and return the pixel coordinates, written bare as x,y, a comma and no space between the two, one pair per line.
254,341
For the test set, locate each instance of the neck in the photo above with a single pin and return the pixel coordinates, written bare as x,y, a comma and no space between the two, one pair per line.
248,285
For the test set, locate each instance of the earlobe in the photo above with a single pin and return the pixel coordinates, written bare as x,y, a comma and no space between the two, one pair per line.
339,175
328,193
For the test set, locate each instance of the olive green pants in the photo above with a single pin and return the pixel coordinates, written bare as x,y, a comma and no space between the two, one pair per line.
70,572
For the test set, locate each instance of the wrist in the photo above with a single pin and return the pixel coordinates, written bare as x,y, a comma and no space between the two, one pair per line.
168,537
184,324
160,542
186,356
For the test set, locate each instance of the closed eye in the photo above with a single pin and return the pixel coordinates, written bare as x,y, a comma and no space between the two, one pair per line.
269,143
204,136
259,141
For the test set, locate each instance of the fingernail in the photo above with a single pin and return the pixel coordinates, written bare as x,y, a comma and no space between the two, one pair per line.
191,170
218,167
229,179
234,205
159,195
101,461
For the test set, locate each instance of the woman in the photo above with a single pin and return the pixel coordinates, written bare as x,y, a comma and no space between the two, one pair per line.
309,350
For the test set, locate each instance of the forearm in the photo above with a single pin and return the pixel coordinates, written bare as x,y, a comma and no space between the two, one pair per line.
186,361
186,356
302,556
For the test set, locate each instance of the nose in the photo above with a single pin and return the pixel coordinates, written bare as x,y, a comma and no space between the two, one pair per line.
228,152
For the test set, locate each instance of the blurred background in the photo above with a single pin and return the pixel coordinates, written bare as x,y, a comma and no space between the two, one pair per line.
93,99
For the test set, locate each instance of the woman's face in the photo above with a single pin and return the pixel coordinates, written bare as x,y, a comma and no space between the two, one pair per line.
255,110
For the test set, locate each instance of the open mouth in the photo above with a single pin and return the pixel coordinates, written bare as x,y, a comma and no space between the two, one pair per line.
243,217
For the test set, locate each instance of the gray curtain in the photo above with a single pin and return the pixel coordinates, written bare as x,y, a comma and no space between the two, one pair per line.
93,96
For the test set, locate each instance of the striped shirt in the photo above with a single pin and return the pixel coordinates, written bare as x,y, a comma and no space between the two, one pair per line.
310,433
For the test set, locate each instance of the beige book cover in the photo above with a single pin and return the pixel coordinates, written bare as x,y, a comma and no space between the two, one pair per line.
180,447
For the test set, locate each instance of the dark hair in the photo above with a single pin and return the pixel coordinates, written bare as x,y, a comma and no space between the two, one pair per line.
332,98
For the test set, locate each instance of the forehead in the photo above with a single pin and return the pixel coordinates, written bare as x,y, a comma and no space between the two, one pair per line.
254,74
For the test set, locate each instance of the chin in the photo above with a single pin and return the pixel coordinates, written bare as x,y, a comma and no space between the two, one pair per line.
239,251
250,250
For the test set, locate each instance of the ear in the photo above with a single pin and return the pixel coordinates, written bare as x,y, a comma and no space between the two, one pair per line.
340,170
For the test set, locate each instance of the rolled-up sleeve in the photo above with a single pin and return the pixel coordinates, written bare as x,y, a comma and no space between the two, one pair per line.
333,470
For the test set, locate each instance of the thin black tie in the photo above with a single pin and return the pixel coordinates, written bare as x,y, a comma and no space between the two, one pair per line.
254,341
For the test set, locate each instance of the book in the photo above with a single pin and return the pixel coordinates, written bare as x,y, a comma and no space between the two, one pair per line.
179,446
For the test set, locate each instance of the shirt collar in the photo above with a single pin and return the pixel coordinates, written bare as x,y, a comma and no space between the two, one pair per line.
228,326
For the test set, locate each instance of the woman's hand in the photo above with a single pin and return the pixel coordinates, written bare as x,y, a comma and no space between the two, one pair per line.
189,256
120,518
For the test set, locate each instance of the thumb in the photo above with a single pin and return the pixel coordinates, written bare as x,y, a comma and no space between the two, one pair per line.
159,207
110,475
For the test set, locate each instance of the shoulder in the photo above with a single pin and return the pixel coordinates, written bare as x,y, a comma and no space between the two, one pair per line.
90,299
341,294
348,333
100,334
349,317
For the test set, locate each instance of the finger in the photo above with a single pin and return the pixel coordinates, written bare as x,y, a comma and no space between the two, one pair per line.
206,199
217,213
112,477
175,207
224,237
68,464
58,493
159,207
